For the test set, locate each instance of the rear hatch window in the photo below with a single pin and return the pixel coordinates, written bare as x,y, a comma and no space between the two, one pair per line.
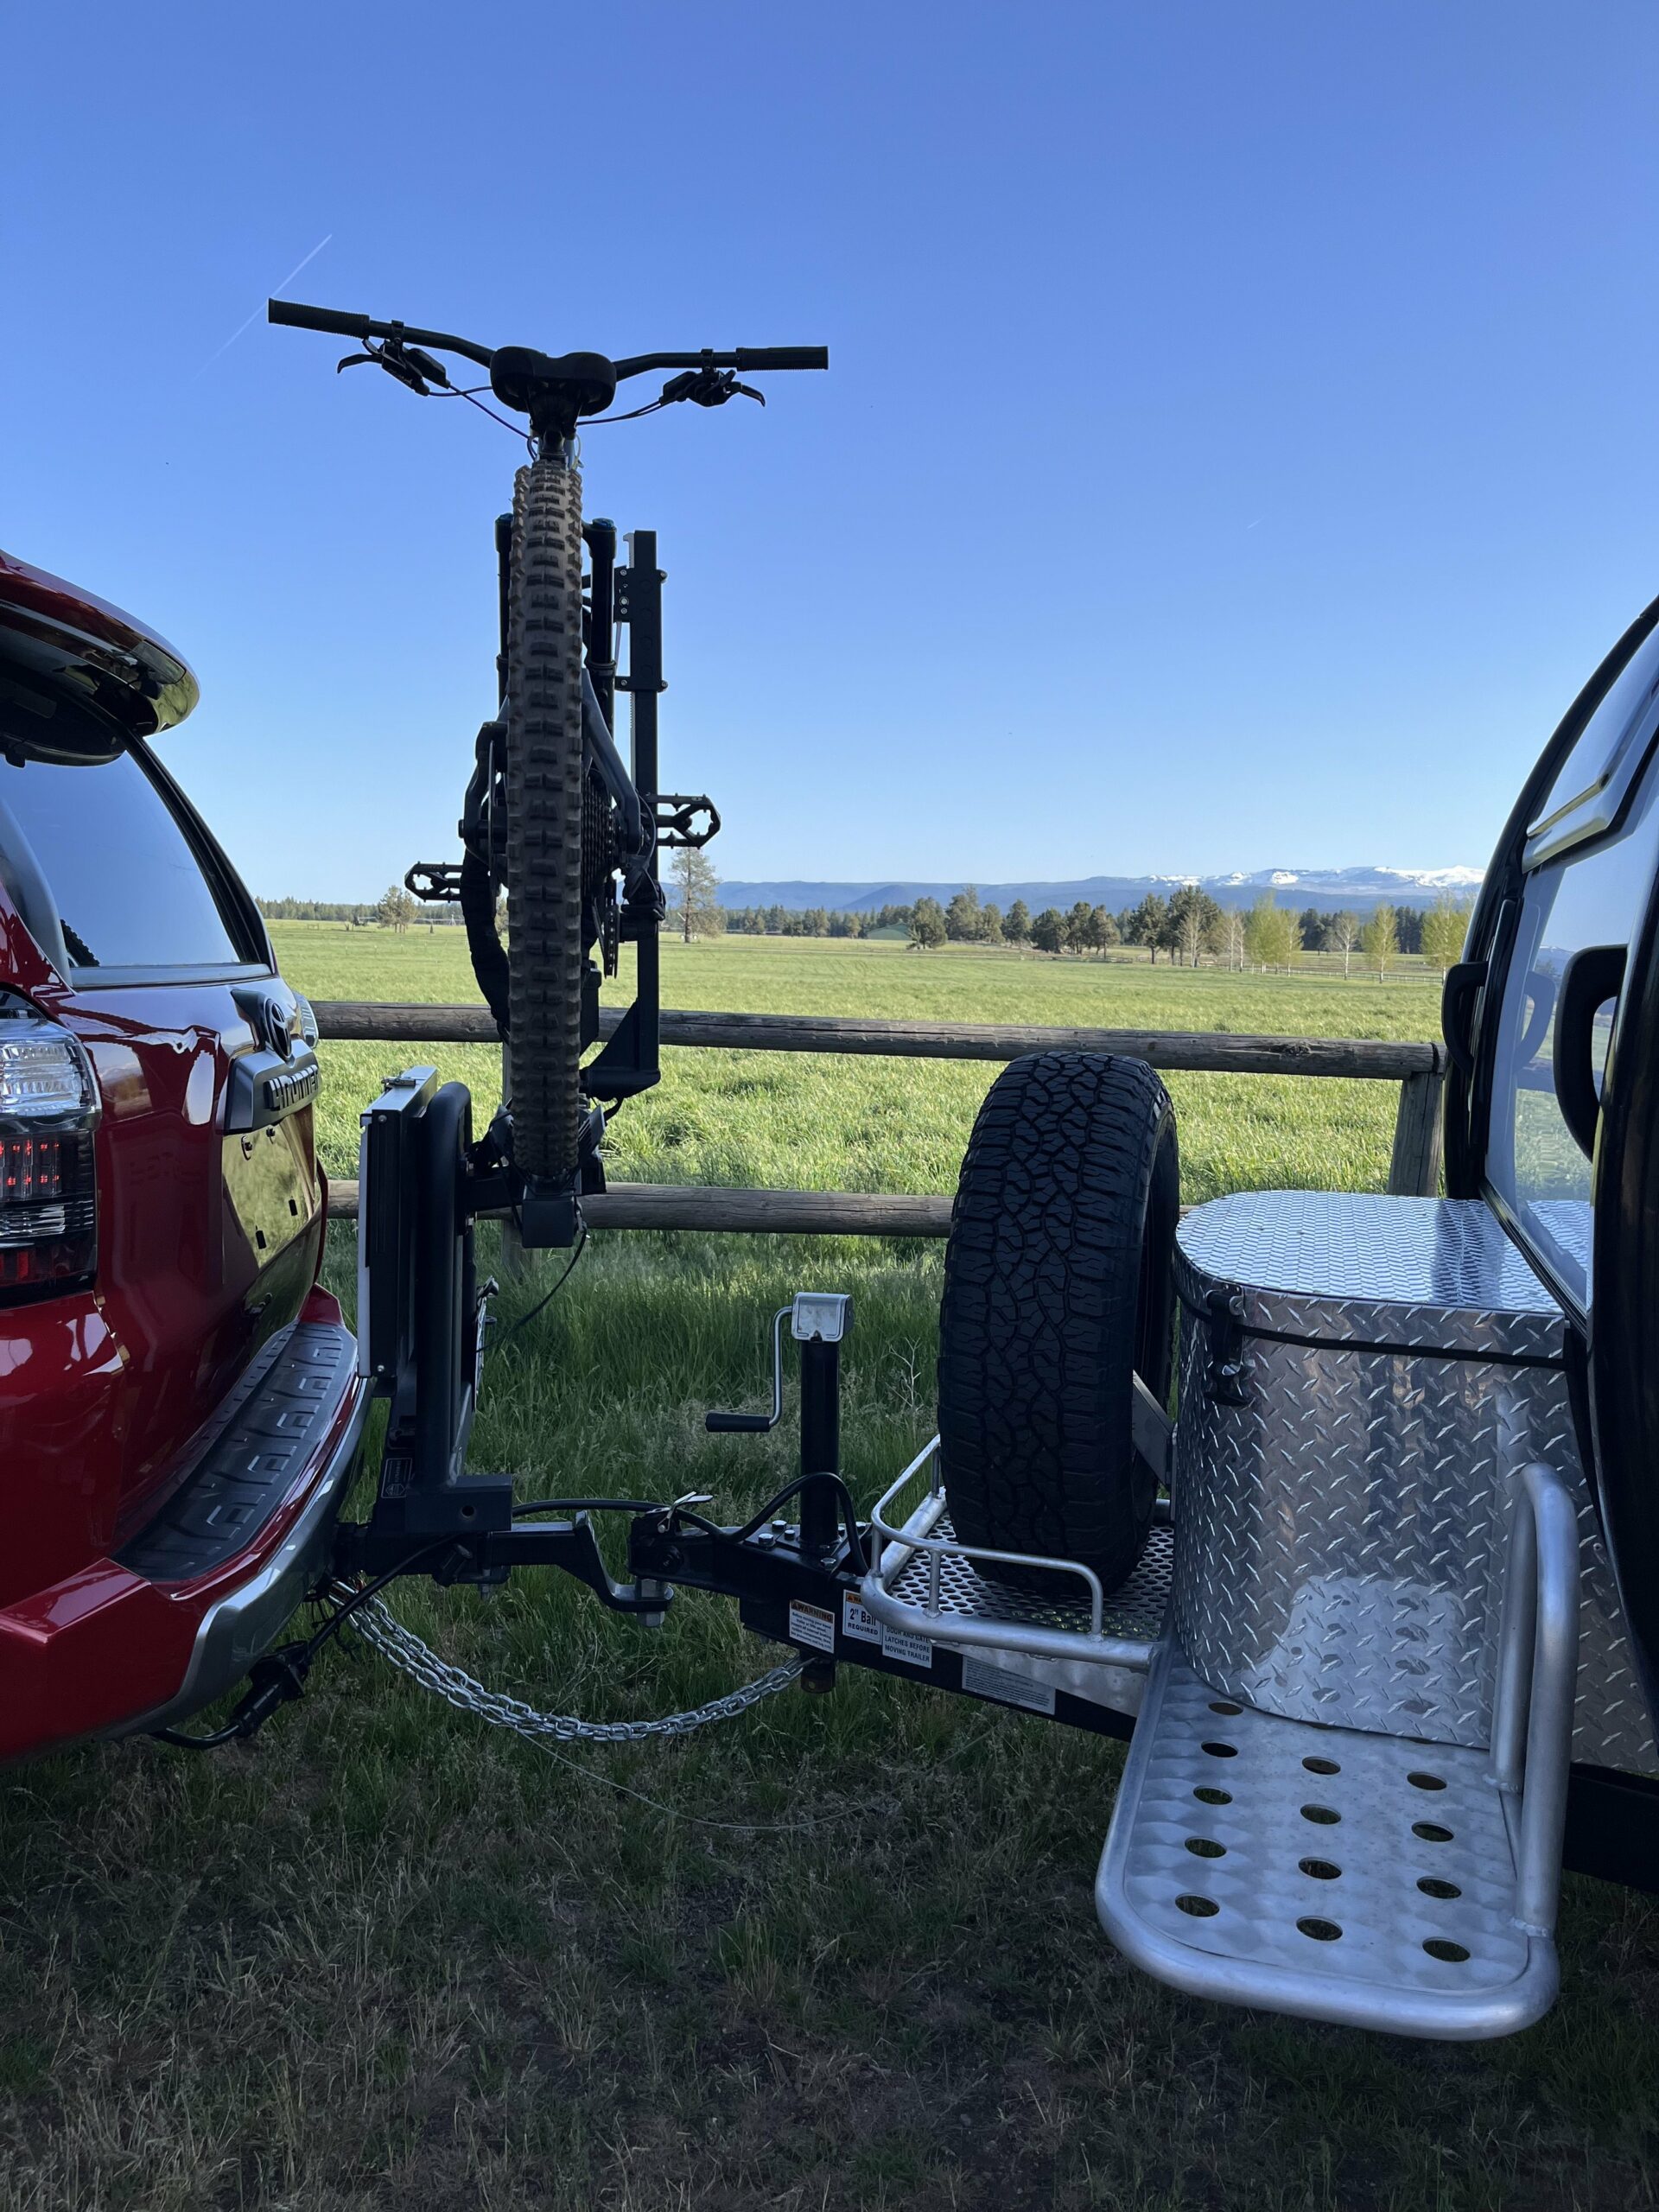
126,885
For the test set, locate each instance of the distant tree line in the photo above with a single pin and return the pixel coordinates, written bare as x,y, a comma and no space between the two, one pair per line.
1187,928
394,907
812,921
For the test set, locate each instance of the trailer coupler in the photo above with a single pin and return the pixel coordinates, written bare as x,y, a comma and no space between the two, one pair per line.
487,1555
469,1529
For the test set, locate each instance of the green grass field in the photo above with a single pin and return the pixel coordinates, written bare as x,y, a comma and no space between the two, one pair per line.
778,1119
387,1958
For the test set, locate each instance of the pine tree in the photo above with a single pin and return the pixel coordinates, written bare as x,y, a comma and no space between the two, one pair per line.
1016,926
697,884
927,927
962,917
1080,927
1193,914
1147,924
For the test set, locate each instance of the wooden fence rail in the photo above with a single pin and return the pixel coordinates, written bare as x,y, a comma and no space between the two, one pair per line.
1418,1067
1222,1052
754,1213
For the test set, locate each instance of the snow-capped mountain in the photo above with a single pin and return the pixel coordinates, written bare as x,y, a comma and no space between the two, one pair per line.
1331,889
1410,884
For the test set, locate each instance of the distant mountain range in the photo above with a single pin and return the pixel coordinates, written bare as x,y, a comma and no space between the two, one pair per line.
1331,889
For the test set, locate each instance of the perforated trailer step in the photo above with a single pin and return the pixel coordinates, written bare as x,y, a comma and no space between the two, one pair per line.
1364,1879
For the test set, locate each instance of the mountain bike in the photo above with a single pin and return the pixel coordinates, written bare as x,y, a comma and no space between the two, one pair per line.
552,813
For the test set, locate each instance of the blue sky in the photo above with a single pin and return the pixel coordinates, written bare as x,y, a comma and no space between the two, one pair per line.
1240,442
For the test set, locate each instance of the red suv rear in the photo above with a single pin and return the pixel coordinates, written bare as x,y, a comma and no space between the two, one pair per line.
180,1407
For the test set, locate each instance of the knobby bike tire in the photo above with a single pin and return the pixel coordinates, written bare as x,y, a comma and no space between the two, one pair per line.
544,778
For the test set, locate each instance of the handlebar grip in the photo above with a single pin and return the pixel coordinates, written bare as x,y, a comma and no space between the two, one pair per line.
737,1424
783,357
299,317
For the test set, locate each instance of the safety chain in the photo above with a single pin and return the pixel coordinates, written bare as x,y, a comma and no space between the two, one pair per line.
422,1664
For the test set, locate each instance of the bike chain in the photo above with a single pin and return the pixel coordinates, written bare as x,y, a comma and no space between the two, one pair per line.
405,1649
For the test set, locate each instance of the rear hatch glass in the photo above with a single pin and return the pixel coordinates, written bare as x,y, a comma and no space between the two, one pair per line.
125,883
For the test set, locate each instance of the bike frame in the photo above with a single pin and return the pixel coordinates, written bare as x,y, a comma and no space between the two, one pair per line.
628,596
631,1062
556,393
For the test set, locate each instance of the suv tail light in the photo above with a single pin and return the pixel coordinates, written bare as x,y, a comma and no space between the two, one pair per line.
48,1196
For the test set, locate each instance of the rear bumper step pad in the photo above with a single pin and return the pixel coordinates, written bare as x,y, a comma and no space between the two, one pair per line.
265,1435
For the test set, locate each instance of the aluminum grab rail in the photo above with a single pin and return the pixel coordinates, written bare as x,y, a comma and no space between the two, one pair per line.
892,1547
1537,1683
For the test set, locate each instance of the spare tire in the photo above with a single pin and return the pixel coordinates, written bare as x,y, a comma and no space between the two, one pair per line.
1059,1287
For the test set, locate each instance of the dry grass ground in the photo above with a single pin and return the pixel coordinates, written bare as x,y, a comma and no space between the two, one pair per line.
386,1961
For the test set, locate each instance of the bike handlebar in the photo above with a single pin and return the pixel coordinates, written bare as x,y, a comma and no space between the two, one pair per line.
782,357
300,317
297,317
744,357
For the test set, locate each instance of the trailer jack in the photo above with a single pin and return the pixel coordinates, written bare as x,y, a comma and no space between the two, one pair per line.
468,1529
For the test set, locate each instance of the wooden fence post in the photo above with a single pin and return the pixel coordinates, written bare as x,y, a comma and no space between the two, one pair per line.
1415,1170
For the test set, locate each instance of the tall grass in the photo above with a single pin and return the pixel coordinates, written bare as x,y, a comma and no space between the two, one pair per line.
795,1120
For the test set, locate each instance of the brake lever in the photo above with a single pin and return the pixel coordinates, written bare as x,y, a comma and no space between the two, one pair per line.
411,367
708,388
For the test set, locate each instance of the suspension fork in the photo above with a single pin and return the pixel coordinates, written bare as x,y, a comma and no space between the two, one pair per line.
504,595
600,537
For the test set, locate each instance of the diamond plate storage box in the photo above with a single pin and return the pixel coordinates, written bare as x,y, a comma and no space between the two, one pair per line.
1361,1380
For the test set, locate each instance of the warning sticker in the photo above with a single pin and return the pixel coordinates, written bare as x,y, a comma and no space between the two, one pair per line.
858,1620
811,1624
981,1679
899,1643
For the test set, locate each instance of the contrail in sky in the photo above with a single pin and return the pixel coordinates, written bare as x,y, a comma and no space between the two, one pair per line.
260,309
